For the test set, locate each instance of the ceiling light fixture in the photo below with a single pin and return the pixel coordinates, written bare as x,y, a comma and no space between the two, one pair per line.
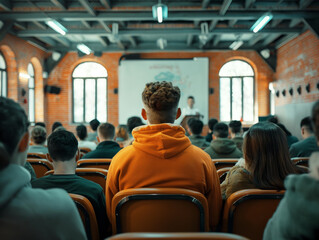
56,26
261,22
160,12
83,48
235,45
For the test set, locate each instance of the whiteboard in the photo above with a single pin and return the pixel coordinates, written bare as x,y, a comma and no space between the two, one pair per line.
190,75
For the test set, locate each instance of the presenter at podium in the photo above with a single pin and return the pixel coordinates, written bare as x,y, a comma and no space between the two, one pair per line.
190,110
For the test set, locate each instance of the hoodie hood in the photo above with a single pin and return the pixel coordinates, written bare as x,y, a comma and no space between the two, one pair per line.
12,179
161,140
223,145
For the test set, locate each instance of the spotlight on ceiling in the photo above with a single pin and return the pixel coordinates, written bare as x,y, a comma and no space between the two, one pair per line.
56,26
83,48
261,22
160,12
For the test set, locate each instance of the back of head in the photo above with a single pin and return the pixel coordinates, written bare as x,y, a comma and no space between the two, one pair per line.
41,124
235,126
56,125
211,123
161,100
315,119
81,132
38,135
62,145
121,132
273,120
134,122
13,124
307,124
94,124
266,154
106,131
282,127
195,125
221,130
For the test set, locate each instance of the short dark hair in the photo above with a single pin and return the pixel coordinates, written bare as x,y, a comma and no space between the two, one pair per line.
195,125
211,123
94,124
41,124
235,126
13,124
107,130
273,119
306,122
56,125
190,97
81,132
62,145
38,135
315,118
134,122
221,130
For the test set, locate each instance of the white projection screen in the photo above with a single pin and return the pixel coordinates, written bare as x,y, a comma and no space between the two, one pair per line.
190,75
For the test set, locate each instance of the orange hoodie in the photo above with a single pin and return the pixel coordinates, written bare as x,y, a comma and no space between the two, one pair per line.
162,157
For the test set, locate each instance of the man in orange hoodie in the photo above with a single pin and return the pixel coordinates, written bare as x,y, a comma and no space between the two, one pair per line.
162,156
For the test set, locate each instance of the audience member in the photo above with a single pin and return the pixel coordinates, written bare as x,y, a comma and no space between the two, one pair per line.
106,148
165,154
211,123
308,145
38,138
290,138
92,136
297,214
132,123
121,135
273,119
41,124
236,133
82,134
64,153
266,161
221,146
195,127
56,125
28,213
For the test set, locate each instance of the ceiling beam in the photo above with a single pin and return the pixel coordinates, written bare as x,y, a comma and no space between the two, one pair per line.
133,41
60,3
47,40
276,22
212,24
304,3
120,45
105,26
36,43
6,5
196,23
104,41
86,24
285,39
40,25
22,26
190,40
294,22
256,38
106,3
88,7
65,42
271,38
313,25
7,25
216,40
232,22
205,3
249,3
224,7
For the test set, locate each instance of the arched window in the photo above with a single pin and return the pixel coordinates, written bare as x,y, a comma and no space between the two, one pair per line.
31,84
3,76
89,92
236,83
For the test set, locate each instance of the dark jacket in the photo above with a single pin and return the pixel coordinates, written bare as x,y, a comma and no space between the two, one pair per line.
304,148
199,141
106,149
239,142
223,148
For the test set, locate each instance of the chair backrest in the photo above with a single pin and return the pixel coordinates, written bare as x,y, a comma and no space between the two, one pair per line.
84,149
40,166
247,212
97,175
222,172
87,214
159,210
177,236
37,155
301,161
95,163
222,163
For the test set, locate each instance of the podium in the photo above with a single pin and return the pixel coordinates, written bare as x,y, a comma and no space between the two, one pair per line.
186,118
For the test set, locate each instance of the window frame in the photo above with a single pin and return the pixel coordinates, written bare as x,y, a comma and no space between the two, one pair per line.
31,88
2,80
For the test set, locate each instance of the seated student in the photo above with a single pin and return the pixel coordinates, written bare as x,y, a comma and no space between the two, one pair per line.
308,145
297,215
94,124
236,133
41,124
106,148
132,123
266,161
82,134
121,134
38,138
290,138
195,127
211,123
28,213
56,125
165,154
64,153
221,146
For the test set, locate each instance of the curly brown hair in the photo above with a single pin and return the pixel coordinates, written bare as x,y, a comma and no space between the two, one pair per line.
161,96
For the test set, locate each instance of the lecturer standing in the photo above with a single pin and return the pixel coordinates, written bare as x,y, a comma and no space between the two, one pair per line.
190,110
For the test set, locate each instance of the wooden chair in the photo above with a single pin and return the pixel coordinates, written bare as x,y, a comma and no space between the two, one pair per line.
97,175
159,210
37,155
222,163
222,173
301,161
87,214
84,150
247,212
40,166
95,163
177,236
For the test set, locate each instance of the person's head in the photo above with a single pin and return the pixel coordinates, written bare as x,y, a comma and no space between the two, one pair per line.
220,130
235,128
105,132
38,135
306,127
81,132
56,125
315,119
161,102
190,101
211,123
195,126
94,124
121,132
266,154
273,119
133,122
62,146
41,124
282,127
14,135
